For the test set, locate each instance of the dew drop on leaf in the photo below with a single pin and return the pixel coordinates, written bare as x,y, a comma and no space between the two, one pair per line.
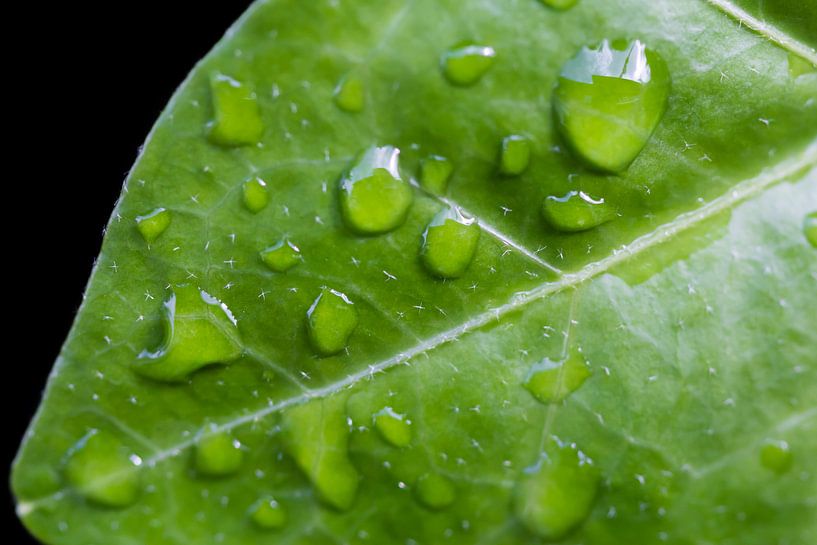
810,228
449,243
393,427
281,256
255,194
374,199
775,455
515,155
236,116
435,172
435,491
576,211
103,470
350,94
268,514
465,64
331,320
217,453
559,4
198,330
153,224
554,496
552,381
608,101
799,66
316,436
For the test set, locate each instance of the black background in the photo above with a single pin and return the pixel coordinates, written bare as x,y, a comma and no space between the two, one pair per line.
92,78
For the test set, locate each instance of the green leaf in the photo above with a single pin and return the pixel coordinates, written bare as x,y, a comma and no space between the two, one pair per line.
649,378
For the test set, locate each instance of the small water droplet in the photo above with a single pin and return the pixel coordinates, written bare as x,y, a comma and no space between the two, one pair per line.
554,496
552,381
350,94
268,514
775,455
393,427
199,330
256,196
799,66
449,243
810,228
608,101
435,491
435,172
103,470
236,116
153,224
515,155
576,211
560,4
217,454
281,256
374,199
466,63
331,320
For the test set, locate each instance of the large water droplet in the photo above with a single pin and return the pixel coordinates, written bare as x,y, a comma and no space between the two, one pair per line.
560,4
153,224
810,228
515,155
576,211
255,194
557,494
435,171
103,470
217,453
316,436
199,330
236,117
449,243
465,64
552,381
435,491
268,514
281,256
608,101
374,198
331,320
393,427
350,95
775,455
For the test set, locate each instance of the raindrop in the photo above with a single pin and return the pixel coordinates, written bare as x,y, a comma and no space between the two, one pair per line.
552,381
810,228
103,470
350,94
281,256
449,243
435,172
268,514
435,491
576,211
236,117
560,4
255,194
515,155
153,224
331,320
465,64
393,427
775,455
217,454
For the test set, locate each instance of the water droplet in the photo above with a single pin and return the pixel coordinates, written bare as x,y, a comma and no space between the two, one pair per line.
449,243
268,514
281,256
465,64
608,101
515,155
103,470
435,491
560,4
153,224
199,330
350,95
553,497
435,171
236,117
810,228
256,197
799,66
316,436
552,381
331,320
393,427
775,455
217,453
576,211
374,199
